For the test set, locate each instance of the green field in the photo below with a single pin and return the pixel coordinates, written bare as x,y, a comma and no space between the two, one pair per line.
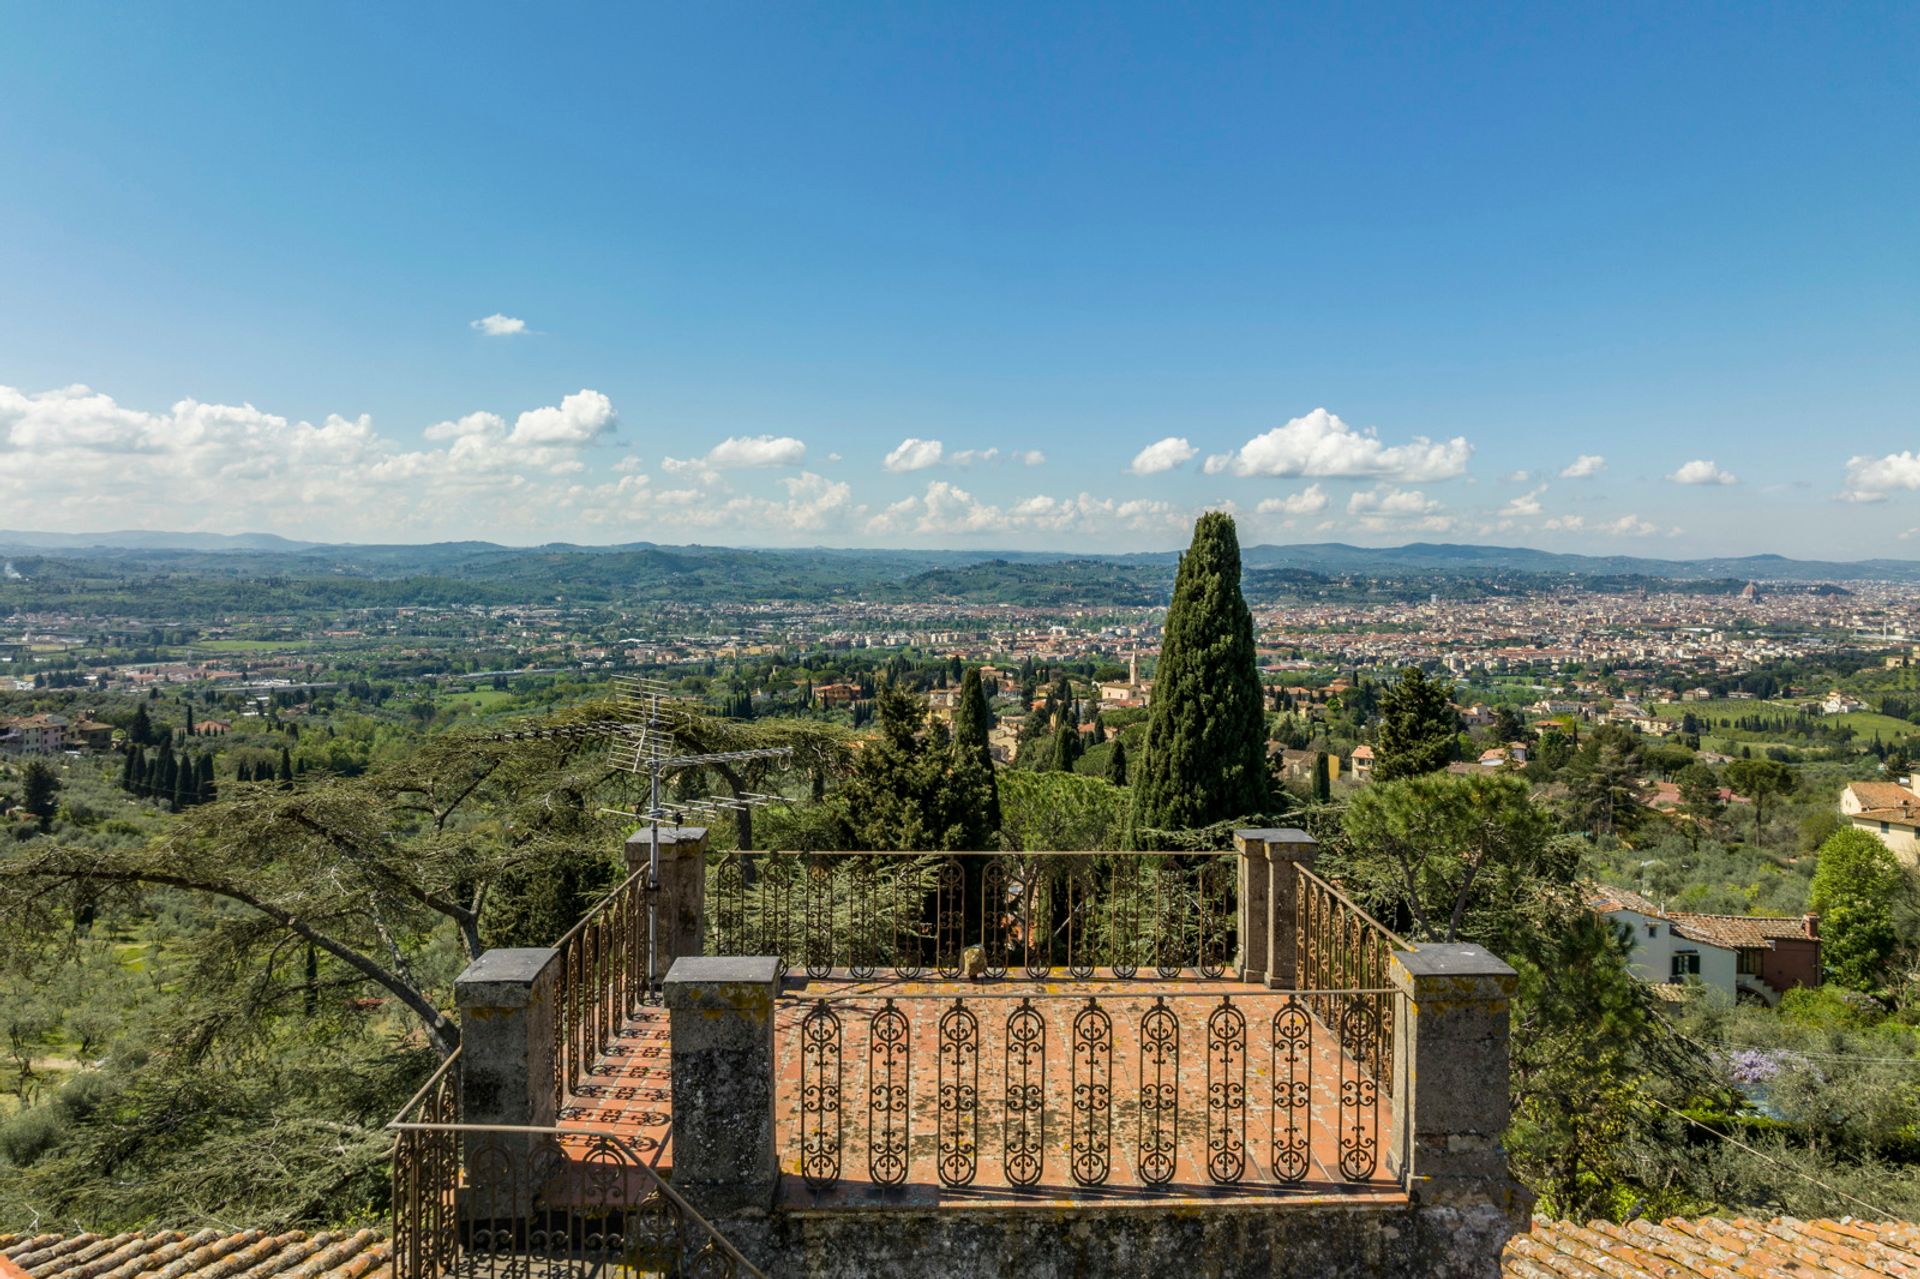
481,700
252,646
1863,723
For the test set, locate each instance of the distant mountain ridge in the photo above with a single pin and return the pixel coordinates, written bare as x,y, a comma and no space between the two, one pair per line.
1334,558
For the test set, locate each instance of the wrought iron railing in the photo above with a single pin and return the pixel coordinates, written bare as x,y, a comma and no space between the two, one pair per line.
603,980
1341,946
426,1177
497,1202
978,914
1144,1076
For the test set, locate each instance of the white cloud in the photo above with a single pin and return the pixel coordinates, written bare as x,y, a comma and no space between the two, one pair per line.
1583,467
738,453
1701,471
1525,506
1624,526
1308,501
969,457
913,455
750,451
498,326
68,456
580,418
1217,463
1516,477
1162,455
1031,457
1871,479
1321,445
946,510
1393,509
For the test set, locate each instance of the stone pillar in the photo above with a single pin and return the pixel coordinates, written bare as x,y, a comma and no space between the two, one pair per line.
1283,849
508,1000
724,1153
1254,871
682,900
1450,1102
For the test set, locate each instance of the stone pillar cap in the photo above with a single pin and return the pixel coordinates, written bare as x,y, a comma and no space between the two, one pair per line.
1276,835
669,836
723,970
502,978
1452,959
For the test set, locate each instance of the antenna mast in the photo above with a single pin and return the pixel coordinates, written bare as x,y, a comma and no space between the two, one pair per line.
646,744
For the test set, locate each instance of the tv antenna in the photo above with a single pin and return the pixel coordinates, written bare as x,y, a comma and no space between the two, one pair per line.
646,742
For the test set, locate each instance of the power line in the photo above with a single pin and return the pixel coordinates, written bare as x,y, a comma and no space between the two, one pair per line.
1880,1213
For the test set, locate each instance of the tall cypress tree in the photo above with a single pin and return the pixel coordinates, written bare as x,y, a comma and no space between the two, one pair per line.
1206,757
286,769
1117,763
971,721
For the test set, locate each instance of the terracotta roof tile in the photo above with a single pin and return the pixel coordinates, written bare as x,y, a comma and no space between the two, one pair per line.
1739,932
1716,1248
1883,794
209,1254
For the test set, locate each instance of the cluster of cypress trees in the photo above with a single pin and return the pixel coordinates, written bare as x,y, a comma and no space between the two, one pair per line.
180,780
183,780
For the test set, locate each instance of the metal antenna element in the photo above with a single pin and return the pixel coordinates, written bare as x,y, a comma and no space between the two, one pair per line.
645,744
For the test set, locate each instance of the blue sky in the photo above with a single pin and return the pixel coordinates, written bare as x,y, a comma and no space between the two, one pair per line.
1351,273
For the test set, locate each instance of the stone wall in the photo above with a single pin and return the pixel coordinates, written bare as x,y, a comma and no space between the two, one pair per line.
1284,1241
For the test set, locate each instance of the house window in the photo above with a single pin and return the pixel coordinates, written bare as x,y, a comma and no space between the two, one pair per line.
1750,962
1884,828
1686,964
1653,930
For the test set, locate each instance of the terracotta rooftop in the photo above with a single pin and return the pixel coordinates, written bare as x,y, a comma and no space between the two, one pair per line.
1907,814
1678,1248
1882,794
1740,932
1724,1248
1604,897
209,1254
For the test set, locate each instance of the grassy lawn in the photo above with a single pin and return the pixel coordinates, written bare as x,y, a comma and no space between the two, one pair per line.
480,700
251,646
1864,723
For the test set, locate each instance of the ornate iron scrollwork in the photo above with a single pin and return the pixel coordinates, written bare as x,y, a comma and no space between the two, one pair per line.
1226,1092
950,917
1292,1080
889,1084
1359,1097
1217,915
996,913
863,884
904,905
959,1079
1092,1137
730,907
818,943
1124,917
820,1113
1159,1093
1026,1076
1081,913
1036,919
1168,920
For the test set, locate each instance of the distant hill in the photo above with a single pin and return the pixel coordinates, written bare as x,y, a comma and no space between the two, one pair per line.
142,540
143,573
